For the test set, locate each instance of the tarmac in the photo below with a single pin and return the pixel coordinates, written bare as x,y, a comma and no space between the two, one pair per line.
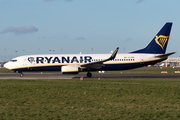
31,76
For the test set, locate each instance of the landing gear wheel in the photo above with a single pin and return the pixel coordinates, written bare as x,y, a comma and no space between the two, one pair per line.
89,74
21,75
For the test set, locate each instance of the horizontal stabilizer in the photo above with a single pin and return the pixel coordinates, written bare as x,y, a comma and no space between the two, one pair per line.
164,55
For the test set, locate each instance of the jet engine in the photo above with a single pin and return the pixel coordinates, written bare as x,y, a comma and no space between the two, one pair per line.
70,69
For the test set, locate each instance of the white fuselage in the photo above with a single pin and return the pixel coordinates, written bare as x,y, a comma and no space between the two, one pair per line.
54,62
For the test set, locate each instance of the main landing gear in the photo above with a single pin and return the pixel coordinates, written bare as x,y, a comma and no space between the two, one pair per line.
89,74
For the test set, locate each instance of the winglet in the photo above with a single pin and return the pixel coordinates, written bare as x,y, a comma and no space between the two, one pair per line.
114,54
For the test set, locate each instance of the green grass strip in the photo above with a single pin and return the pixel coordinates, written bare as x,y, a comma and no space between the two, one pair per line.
90,99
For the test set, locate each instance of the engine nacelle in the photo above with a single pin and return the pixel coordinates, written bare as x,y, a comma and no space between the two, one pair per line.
70,69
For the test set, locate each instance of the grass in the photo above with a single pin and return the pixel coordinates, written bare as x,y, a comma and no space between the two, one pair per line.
90,99
4,70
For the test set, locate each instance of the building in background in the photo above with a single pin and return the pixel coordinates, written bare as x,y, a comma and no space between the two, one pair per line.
2,64
170,62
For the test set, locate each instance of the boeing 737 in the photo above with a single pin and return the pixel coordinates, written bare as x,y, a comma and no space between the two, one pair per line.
153,53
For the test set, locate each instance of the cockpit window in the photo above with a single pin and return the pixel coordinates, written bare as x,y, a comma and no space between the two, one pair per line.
13,60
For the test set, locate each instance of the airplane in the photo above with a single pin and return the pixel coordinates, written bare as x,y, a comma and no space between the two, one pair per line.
153,53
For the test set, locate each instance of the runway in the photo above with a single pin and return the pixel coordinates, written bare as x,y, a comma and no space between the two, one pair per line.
31,76
126,75
35,76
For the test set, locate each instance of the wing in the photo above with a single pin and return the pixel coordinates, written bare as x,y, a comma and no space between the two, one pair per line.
98,64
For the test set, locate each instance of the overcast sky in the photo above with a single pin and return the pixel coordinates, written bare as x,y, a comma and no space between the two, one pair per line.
74,26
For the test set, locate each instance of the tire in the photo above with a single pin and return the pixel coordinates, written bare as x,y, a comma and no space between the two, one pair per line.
21,75
89,74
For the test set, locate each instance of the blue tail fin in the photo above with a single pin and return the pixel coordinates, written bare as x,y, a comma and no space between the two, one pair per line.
159,43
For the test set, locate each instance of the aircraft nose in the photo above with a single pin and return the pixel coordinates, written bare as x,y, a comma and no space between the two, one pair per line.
7,65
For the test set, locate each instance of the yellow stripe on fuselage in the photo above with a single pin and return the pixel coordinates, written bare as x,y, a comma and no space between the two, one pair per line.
106,63
70,71
136,61
46,65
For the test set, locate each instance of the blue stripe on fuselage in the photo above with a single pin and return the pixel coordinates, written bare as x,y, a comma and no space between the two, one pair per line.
104,67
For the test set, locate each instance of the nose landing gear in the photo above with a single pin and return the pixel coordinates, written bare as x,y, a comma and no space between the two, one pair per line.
21,74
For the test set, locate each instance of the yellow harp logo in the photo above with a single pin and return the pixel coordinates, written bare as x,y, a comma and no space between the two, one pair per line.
161,40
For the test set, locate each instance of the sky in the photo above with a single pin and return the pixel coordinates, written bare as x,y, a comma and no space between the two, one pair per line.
30,27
